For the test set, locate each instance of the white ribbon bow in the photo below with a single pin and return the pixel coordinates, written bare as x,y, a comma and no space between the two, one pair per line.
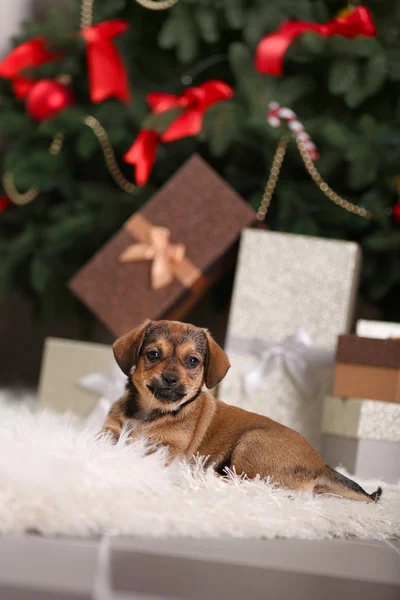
295,353
110,389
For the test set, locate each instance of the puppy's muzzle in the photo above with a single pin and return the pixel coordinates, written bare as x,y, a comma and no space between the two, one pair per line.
167,388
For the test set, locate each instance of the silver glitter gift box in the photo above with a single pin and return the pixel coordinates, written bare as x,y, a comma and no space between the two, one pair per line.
293,295
362,434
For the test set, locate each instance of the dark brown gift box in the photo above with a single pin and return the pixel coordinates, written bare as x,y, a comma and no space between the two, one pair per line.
367,368
202,212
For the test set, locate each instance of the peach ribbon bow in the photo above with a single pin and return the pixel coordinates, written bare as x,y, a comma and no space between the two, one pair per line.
165,256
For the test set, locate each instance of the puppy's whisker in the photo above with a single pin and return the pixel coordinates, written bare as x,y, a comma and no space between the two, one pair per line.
151,402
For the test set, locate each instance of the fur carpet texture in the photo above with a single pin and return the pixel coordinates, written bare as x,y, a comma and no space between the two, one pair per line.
58,477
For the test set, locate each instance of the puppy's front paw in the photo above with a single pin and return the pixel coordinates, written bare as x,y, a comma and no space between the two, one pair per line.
111,432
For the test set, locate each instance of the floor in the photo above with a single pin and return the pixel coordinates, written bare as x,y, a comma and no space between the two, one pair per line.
37,568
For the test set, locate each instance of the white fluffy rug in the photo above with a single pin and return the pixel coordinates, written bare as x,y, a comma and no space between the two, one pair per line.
57,478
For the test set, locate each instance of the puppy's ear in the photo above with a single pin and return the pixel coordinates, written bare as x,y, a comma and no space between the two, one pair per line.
217,363
127,347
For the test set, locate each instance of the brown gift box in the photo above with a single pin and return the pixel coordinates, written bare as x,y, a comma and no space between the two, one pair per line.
204,216
368,368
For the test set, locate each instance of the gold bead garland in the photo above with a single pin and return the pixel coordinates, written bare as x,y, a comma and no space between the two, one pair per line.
324,187
153,5
109,156
314,174
56,144
86,13
273,178
21,198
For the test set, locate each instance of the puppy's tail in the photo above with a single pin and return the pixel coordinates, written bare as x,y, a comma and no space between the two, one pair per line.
332,482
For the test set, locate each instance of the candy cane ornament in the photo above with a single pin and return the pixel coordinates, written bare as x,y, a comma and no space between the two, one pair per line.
277,112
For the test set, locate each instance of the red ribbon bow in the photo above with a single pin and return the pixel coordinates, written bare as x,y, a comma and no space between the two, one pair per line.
107,74
142,154
195,101
271,50
29,54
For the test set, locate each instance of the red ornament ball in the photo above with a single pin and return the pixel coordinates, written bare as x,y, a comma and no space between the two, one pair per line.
47,98
396,213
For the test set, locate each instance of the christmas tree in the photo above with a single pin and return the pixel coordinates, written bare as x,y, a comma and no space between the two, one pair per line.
344,89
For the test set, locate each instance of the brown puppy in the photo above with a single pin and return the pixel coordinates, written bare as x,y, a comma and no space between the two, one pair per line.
167,364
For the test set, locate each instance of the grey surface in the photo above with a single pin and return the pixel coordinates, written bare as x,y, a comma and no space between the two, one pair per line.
198,579
372,561
32,567
368,459
195,569
37,568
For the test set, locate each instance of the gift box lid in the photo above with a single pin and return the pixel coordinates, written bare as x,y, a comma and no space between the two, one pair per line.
200,210
356,350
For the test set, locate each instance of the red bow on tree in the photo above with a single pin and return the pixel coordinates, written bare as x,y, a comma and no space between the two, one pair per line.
107,74
195,101
271,50
142,154
29,54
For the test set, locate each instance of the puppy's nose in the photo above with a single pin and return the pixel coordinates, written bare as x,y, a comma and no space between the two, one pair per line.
170,378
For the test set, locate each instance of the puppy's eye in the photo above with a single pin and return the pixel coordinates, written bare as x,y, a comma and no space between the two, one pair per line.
153,355
192,362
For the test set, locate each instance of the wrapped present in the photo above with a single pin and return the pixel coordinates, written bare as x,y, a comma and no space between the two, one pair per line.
168,254
363,434
367,368
382,330
79,377
292,296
